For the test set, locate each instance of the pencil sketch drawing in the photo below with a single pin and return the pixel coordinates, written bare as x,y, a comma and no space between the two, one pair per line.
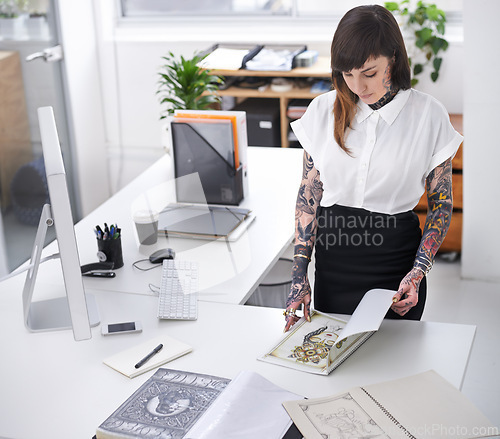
342,418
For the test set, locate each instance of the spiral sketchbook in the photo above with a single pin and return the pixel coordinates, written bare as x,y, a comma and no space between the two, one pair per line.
324,343
417,407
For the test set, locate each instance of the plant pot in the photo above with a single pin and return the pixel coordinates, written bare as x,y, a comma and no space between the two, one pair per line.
37,28
11,28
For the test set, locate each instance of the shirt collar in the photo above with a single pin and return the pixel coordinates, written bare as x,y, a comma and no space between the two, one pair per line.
388,112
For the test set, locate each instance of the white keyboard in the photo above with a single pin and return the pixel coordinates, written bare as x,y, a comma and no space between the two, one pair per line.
178,297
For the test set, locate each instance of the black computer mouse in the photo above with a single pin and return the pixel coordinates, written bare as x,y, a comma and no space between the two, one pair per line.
159,255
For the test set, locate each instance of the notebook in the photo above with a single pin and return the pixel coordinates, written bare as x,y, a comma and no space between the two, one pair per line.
202,221
125,361
421,406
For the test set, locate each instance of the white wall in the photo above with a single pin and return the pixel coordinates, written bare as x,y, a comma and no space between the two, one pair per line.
130,57
3,256
84,107
481,240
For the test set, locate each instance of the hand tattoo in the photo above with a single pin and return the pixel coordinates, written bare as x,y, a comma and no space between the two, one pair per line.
408,289
412,279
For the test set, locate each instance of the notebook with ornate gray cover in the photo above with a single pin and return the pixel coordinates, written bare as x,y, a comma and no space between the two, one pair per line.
174,404
166,406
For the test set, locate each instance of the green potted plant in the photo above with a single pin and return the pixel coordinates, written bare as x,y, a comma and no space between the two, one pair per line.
8,9
9,18
185,86
425,25
36,24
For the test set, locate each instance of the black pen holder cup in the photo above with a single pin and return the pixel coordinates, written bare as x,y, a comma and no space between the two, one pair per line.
110,250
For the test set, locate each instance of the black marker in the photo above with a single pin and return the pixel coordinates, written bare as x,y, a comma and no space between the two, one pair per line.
149,356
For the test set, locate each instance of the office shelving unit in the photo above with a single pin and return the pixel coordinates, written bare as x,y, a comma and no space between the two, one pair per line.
320,70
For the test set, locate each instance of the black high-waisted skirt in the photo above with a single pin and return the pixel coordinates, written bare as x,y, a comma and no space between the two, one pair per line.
357,250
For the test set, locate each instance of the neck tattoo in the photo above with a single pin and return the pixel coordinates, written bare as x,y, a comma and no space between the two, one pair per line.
388,97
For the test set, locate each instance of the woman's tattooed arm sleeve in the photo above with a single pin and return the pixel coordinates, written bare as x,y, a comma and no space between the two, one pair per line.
440,206
309,196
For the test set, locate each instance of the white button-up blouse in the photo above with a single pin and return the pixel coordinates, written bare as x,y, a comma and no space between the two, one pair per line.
393,149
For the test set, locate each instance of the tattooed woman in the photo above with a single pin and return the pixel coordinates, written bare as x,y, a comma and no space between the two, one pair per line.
371,147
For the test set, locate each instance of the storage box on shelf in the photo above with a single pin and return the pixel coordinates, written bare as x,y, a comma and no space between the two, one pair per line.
453,239
263,121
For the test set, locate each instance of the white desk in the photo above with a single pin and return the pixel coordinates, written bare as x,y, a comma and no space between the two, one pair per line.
229,272
53,387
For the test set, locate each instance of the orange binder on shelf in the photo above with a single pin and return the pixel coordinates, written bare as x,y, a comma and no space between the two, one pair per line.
215,115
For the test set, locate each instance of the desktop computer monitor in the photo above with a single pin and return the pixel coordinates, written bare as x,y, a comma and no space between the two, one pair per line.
75,310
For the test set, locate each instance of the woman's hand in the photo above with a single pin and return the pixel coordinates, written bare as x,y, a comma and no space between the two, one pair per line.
407,295
300,294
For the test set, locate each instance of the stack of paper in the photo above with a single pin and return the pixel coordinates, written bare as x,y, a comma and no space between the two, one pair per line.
224,59
273,59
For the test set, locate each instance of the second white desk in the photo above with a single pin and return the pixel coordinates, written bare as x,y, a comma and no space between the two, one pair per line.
229,271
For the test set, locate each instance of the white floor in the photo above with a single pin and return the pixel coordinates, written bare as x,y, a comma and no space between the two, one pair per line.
454,300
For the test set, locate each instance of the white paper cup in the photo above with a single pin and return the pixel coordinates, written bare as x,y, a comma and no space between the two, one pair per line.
146,224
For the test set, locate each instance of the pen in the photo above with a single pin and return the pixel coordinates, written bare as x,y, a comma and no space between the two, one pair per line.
98,232
149,356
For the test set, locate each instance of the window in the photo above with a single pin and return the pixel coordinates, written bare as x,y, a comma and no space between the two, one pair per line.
155,8
255,8
340,7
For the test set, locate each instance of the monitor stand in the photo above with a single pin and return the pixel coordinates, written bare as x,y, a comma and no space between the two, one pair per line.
51,314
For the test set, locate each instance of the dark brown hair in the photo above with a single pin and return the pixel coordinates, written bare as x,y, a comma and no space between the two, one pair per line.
364,32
